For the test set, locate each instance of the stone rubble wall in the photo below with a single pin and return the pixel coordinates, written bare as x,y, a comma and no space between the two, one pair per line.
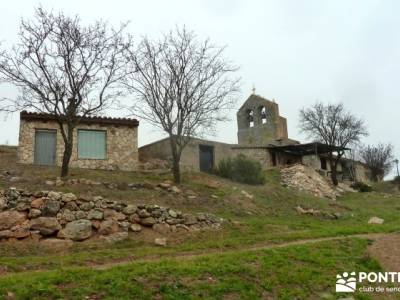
306,179
55,215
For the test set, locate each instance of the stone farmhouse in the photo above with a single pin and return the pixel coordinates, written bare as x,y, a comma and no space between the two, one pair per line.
99,143
112,144
262,135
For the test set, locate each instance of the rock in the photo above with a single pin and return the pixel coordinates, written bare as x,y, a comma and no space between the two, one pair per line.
182,226
136,227
143,213
115,237
3,203
45,225
173,221
35,235
71,205
96,224
108,227
37,203
164,185
69,197
54,195
5,234
86,206
51,207
246,194
124,225
189,219
129,209
150,221
97,198
50,182
134,218
56,244
80,215
172,213
376,220
77,230
15,179
162,228
119,216
34,213
10,296
23,206
160,242
175,189
156,213
68,216
59,182
306,179
21,231
201,217
95,214
11,218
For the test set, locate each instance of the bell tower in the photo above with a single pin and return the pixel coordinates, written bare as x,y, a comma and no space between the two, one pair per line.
259,122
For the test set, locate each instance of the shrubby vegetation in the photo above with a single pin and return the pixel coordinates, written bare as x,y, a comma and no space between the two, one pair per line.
241,169
361,187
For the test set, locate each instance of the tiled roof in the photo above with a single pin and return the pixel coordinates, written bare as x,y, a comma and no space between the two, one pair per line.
35,116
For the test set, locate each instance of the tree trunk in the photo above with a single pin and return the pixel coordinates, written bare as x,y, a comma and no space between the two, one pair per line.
175,160
176,171
68,144
334,174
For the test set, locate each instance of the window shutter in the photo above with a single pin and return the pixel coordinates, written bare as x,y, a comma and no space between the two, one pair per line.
92,144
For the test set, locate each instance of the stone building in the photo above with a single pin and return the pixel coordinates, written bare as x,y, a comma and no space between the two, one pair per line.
263,136
99,143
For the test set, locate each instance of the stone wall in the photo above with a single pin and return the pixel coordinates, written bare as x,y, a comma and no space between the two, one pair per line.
122,146
50,214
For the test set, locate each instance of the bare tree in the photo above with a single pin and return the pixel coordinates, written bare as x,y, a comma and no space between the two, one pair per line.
378,158
334,126
66,69
182,86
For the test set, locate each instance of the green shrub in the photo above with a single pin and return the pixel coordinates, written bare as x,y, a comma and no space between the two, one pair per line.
396,180
241,169
361,187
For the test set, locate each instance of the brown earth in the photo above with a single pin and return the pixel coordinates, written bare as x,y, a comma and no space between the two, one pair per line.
386,249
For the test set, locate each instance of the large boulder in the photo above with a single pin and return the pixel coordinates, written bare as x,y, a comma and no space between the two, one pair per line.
45,225
78,230
11,218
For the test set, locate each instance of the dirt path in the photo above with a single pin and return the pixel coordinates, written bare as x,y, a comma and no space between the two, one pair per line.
205,253
386,249
383,238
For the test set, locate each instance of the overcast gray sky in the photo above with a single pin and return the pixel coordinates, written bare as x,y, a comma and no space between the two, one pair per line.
295,51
